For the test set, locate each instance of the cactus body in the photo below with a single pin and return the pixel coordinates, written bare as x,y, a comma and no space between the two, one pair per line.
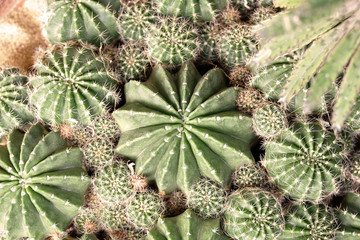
113,216
349,218
42,184
180,127
208,38
305,161
249,176
87,221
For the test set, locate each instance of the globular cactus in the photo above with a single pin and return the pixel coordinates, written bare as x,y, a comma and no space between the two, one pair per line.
309,221
105,127
236,45
206,198
249,175
305,161
261,14
252,214
354,167
136,21
144,209
87,221
113,217
230,16
172,41
196,10
249,100
42,184
186,226
349,218
240,76
14,109
269,120
85,20
181,127
98,153
72,85
112,183
208,40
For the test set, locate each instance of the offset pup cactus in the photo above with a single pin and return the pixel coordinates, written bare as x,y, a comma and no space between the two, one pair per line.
181,127
42,184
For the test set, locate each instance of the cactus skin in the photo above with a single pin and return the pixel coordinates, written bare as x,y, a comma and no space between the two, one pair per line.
196,10
305,161
113,216
269,121
41,176
172,41
98,153
14,110
249,100
144,209
208,38
186,226
206,198
309,221
85,20
87,221
72,85
249,176
245,6
105,127
349,218
180,124
252,214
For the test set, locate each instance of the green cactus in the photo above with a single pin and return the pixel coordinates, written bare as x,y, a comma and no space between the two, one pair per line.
42,184
113,216
181,127
261,14
208,38
354,167
114,5
206,198
72,85
186,226
249,175
352,124
249,100
144,209
87,221
14,109
252,214
172,41
85,20
305,161
240,76
309,221
349,218
269,121
105,127
196,10
98,152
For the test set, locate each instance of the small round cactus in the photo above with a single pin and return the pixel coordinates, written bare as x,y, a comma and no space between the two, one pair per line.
230,16
249,175
172,41
112,183
252,214
87,221
105,127
261,14
144,209
249,100
240,76
208,39
98,153
207,198
113,217
269,121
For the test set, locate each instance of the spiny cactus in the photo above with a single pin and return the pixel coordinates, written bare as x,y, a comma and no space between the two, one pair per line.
172,41
349,218
240,76
105,127
252,214
352,124
206,198
261,14
186,226
87,221
305,161
354,167
85,20
249,100
113,217
98,152
72,85
208,38
144,209
181,127
249,175
309,221
42,184
14,110
269,120
175,204
196,10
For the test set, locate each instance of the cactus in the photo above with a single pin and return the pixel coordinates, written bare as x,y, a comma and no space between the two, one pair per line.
240,76
135,22
261,14
249,100
269,121
305,161
181,127
72,85
252,214
352,124
249,175
87,221
85,20
309,221
144,209
98,153
354,167
175,204
172,41
196,10
113,217
112,183
186,226
206,198
42,184
105,127
208,40
14,111
349,218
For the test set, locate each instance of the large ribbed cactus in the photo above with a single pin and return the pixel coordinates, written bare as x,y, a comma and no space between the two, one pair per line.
85,20
180,127
349,217
42,184
304,161
72,85
186,226
14,110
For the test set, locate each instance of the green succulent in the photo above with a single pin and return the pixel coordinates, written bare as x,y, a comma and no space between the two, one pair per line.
349,218
208,40
87,221
42,184
105,127
113,216
249,175
181,127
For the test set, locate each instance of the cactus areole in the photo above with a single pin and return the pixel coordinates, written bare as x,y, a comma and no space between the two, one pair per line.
181,127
